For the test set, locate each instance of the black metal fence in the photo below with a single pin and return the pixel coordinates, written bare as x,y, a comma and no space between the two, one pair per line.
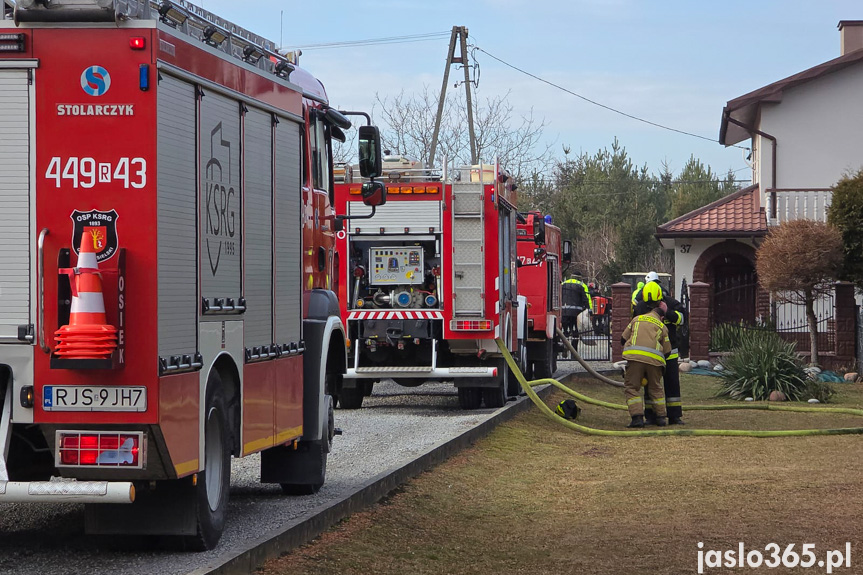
735,310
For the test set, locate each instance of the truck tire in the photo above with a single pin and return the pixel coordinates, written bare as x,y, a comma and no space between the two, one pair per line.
310,461
543,368
495,397
512,386
213,486
470,397
352,397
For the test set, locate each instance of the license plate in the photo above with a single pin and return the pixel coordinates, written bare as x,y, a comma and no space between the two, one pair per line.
94,398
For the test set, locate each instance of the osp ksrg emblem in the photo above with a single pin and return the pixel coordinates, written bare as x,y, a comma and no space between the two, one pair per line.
97,227
95,80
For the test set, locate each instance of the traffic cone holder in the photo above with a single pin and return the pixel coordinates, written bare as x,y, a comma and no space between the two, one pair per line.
87,346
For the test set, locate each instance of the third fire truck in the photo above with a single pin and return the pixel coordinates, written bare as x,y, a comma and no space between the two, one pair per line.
430,281
540,255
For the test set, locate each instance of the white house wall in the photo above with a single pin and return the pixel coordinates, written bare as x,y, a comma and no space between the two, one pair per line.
817,126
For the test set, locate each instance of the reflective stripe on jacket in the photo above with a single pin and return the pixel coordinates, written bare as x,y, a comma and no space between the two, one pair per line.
646,340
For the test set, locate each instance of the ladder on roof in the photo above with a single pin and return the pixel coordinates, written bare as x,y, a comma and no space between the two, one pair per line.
181,15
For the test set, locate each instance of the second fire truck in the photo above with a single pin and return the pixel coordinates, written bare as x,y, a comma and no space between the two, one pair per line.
430,280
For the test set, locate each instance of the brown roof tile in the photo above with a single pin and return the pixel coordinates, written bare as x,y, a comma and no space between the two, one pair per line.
737,214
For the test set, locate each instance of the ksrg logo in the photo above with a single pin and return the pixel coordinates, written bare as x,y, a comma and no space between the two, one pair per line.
95,80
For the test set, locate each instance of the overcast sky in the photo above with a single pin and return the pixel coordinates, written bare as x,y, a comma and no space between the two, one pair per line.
672,62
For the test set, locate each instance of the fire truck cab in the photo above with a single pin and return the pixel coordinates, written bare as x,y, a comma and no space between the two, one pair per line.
431,281
168,290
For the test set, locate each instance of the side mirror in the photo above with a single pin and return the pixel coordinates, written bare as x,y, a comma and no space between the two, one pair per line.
539,254
567,251
369,152
374,194
538,231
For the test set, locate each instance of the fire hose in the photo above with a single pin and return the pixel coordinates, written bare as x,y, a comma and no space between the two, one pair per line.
528,386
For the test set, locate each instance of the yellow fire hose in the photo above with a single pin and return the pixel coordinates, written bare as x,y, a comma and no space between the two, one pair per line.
528,389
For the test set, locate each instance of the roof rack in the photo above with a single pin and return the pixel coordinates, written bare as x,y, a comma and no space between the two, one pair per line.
181,15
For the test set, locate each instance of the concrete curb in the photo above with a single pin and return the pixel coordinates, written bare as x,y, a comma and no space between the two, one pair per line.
306,528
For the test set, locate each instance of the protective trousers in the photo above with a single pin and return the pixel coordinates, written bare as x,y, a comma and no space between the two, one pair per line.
635,372
671,384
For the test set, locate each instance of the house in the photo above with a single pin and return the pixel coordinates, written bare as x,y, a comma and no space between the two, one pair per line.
804,132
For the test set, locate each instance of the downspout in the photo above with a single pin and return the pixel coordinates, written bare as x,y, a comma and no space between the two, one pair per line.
773,162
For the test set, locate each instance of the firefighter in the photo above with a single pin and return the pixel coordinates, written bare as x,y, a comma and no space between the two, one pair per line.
645,345
636,295
576,299
675,317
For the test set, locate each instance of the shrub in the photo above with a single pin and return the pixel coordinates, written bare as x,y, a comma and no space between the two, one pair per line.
820,390
727,336
763,362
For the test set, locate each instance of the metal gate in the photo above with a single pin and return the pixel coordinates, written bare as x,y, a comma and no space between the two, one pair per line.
594,337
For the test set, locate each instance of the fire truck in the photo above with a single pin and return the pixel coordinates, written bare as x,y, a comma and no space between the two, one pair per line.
431,281
540,256
168,291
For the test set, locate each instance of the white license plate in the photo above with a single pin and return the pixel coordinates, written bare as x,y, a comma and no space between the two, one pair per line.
94,398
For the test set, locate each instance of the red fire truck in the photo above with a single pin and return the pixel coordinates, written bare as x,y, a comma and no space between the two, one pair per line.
179,161
430,282
540,259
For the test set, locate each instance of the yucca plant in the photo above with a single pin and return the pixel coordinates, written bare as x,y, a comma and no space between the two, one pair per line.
763,362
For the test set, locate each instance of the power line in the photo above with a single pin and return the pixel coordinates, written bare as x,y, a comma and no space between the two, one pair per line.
378,41
595,103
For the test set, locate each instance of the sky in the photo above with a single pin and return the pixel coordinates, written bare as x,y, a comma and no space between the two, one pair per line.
671,62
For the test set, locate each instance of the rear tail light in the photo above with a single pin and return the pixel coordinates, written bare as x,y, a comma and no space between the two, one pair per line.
101,449
470,324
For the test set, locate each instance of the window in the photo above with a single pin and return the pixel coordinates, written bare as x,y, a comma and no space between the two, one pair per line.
320,153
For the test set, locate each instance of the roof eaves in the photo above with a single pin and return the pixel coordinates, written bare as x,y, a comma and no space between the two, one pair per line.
698,211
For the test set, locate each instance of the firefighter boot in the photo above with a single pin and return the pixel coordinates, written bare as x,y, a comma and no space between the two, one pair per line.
661,421
649,416
675,421
637,421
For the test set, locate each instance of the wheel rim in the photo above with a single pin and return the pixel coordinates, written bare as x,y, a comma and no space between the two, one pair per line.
213,455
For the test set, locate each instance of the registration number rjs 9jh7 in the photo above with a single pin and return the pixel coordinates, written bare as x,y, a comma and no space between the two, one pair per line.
94,398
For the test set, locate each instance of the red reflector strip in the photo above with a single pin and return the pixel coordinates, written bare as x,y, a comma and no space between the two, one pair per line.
470,324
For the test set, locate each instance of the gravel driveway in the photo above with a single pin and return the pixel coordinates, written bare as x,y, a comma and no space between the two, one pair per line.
394,425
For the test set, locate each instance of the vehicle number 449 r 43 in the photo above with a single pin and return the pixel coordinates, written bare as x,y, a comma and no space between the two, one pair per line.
87,172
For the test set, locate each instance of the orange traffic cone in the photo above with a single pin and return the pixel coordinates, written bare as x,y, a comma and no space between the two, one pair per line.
88,335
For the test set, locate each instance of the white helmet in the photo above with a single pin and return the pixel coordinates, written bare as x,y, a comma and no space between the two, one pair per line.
651,277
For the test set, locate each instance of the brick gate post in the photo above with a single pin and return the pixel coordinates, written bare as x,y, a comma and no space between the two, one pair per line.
846,324
699,320
621,297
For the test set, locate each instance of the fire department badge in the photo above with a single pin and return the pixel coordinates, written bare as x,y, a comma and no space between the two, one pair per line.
97,227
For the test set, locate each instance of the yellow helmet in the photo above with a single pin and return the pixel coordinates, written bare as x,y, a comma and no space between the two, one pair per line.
651,292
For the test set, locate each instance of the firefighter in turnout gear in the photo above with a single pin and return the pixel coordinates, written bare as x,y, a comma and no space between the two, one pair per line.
675,317
576,298
645,345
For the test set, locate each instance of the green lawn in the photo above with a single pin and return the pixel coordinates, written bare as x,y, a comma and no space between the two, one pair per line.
535,497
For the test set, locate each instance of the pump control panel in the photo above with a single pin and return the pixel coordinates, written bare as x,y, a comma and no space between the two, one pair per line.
396,266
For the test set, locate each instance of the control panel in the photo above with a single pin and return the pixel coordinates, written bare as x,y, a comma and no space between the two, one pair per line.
396,265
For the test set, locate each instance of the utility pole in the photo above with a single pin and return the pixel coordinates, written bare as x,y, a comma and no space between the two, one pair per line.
458,36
